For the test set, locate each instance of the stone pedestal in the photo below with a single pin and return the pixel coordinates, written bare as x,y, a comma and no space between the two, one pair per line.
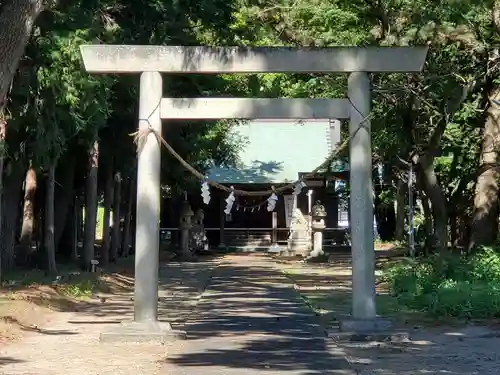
318,239
299,240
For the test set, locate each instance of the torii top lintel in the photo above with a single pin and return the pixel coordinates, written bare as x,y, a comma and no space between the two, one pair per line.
103,58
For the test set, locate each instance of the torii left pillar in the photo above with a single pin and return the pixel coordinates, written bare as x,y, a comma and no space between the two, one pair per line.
146,326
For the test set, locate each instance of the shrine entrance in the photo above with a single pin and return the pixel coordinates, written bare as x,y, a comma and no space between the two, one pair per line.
151,61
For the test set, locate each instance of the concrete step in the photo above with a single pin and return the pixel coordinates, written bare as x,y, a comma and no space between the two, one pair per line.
248,238
248,243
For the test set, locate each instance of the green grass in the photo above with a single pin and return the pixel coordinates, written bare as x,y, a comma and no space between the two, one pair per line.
334,305
448,286
331,298
68,283
378,243
79,290
435,290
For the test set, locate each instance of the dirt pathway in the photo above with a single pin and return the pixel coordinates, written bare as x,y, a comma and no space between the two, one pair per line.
452,350
70,343
250,321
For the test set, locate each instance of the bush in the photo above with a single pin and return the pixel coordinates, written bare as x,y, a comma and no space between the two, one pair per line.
463,287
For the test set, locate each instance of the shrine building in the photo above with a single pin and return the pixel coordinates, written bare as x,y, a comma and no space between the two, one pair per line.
276,153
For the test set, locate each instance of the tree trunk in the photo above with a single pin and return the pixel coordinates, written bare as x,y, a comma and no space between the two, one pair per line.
49,237
11,203
76,219
485,212
25,238
3,132
68,238
456,213
437,199
115,241
81,225
64,192
427,175
464,230
400,211
17,18
453,228
90,207
426,208
108,198
128,218
75,228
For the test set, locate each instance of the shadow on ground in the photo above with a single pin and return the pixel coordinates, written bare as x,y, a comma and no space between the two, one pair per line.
457,349
250,319
8,360
34,328
179,287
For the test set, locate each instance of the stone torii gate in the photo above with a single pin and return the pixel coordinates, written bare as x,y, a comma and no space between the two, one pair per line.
150,61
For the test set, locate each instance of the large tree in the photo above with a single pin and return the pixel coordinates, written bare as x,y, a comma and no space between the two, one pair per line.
426,119
60,115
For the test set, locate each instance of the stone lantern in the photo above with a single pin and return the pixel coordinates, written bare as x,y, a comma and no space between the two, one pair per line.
185,226
198,236
318,226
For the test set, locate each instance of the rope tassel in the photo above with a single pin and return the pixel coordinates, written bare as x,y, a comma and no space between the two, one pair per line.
140,138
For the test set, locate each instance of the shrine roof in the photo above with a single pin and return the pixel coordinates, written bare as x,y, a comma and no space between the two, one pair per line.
277,151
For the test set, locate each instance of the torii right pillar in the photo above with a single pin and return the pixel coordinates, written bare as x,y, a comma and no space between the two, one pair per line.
361,198
364,322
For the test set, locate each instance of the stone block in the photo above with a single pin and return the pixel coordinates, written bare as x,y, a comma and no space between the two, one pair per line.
138,332
362,330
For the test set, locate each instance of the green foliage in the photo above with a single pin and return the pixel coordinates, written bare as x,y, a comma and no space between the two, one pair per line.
54,101
55,104
70,101
81,290
448,98
463,287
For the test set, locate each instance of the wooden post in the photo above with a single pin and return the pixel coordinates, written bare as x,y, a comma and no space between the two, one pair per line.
274,238
222,222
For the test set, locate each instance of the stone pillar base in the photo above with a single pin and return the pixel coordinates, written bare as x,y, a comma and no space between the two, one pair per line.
159,332
365,325
363,330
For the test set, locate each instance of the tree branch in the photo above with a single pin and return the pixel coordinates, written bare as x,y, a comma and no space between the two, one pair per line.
496,15
17,18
